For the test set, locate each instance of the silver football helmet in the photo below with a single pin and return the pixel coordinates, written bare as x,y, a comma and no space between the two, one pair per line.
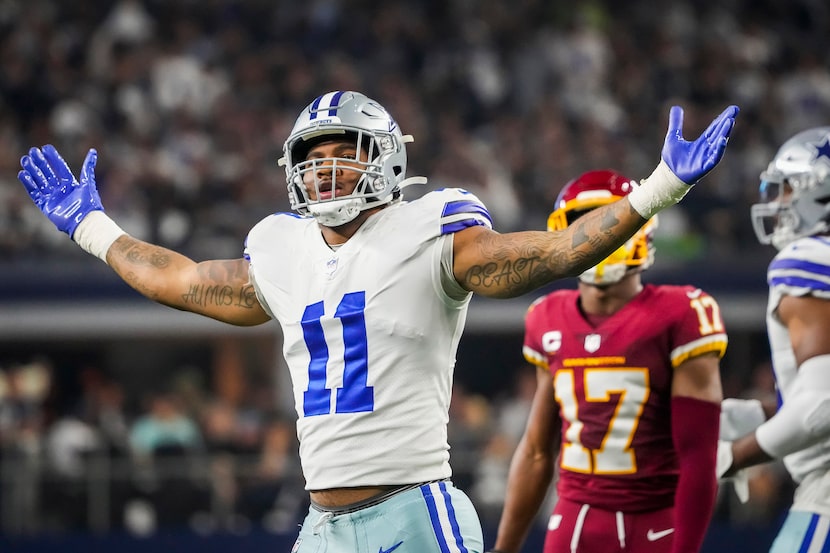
795,190
381,163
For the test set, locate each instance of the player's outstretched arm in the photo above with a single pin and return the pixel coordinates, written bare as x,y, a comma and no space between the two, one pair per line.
220,289
509,265
217,289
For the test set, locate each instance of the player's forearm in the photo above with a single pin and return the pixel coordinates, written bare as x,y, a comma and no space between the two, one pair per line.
597,234
746,453
521,262
770,407
527,485
152,270
695,436
217,289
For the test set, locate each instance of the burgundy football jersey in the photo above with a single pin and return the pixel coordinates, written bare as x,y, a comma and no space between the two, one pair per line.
613,386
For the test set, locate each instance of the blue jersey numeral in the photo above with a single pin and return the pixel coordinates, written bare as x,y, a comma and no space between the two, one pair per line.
355,396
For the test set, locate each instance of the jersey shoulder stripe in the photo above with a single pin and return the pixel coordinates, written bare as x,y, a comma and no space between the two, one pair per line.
716,343
472,213
802,267
534,357
459,209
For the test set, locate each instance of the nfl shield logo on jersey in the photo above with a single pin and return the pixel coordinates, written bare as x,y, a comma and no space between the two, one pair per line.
331,266
592,343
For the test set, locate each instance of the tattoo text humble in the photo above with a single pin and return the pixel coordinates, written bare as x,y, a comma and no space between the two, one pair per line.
205,295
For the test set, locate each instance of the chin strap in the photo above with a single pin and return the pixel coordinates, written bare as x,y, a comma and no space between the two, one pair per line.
335,213
340,212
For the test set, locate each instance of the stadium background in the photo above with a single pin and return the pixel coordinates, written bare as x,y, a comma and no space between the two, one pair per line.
188,103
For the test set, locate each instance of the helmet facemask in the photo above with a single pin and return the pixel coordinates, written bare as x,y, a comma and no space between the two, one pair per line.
795,190
379,165
317,182
774,220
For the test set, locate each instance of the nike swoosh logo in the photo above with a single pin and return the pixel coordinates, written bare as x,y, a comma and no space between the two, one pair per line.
694,293
651,535
394,547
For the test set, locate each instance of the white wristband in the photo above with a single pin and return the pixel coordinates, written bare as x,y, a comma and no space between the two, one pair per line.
96,233
660,190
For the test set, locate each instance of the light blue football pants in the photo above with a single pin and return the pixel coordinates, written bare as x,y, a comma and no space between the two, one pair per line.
803,532
435,517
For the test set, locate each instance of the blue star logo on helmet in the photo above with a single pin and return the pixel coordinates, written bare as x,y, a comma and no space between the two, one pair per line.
823,150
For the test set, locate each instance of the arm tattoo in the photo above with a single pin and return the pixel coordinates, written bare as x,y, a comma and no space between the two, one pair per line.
521,262
201,294
222,283
220,294
517,266
219,283
602,235
131,257
140,253
607,225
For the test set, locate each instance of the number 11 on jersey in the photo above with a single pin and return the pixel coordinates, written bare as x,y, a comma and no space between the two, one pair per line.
356,395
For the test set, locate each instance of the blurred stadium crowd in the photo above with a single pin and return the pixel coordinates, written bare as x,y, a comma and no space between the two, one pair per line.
189,102
223,458
96,460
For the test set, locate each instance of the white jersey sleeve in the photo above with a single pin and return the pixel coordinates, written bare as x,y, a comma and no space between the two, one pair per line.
800,269
370,337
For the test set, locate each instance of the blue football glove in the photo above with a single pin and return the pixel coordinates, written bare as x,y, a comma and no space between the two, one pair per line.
691,161
55,190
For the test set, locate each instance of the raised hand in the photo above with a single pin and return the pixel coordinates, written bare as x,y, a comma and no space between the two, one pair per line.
58,194
691,161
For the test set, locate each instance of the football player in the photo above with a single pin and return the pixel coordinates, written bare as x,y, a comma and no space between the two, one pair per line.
371,293
628,397
794,217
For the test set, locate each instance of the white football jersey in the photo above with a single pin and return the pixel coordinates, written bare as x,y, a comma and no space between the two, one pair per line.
800,269
370,331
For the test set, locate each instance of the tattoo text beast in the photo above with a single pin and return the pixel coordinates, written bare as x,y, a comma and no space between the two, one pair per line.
509,274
